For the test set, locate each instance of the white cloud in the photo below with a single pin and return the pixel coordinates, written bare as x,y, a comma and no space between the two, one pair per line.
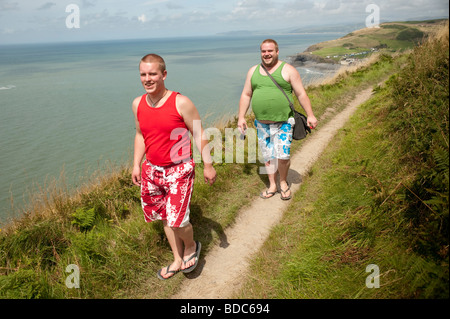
87,4
47,5
174,6
153,2
6,5
251,7
332,5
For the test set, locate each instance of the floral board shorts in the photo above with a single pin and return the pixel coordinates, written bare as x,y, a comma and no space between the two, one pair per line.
275,140
166,192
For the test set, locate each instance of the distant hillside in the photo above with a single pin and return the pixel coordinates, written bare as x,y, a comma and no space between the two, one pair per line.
340,28
390,36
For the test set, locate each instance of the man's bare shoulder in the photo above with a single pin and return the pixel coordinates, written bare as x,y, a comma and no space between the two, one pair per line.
251,71
184,104
183,100
290,73
136,102
253,68
288,67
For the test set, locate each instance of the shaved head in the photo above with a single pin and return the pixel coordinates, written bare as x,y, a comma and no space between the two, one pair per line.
154,58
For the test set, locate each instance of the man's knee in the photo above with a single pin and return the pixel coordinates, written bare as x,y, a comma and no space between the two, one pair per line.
181,227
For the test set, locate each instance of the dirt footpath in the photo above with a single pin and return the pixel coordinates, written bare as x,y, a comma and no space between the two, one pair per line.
221,272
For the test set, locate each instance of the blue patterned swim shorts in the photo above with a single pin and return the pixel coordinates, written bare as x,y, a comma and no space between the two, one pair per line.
275,139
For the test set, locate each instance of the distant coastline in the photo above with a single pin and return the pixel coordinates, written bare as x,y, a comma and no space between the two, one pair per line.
355,47
310,61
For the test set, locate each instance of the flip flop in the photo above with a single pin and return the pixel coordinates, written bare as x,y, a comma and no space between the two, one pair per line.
174,272
284,191
267,193
196,255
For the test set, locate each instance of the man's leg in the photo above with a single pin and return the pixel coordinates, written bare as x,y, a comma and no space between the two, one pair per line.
183,246
282,143
181,239
265,142
176,244
283,169
271,170
186,235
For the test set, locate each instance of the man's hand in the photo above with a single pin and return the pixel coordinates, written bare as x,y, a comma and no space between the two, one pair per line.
209,174
136,175
312,122
242,125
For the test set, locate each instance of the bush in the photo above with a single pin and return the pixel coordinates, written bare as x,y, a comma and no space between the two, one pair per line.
411,34
23,284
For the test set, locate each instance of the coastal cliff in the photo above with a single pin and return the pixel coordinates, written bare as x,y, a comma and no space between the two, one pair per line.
388,37
306,58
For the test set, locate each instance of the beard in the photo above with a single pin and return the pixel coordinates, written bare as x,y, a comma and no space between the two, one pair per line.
269,60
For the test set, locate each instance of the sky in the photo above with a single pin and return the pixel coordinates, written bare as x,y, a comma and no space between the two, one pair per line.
31,21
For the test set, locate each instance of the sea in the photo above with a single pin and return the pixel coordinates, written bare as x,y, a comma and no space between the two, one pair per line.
66,107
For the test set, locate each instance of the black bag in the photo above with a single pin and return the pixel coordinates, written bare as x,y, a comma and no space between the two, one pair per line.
301,128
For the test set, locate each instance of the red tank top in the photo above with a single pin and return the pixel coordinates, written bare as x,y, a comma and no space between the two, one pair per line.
166,136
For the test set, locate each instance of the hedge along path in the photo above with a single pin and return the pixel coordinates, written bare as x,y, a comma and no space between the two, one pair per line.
220,272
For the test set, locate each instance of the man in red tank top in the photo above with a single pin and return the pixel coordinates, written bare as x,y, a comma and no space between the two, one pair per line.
163,122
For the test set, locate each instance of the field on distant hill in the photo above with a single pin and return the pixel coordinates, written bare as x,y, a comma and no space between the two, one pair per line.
391,36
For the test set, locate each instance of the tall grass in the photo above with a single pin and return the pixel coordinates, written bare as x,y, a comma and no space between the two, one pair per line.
420,123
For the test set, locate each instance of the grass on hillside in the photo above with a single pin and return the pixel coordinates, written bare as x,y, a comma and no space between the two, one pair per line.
378,196
100,228
392,37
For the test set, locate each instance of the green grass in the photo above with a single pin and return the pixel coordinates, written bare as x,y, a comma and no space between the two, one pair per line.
379,195
391,37
101,229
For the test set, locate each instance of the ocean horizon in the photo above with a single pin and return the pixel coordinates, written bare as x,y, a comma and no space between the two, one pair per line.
66,107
